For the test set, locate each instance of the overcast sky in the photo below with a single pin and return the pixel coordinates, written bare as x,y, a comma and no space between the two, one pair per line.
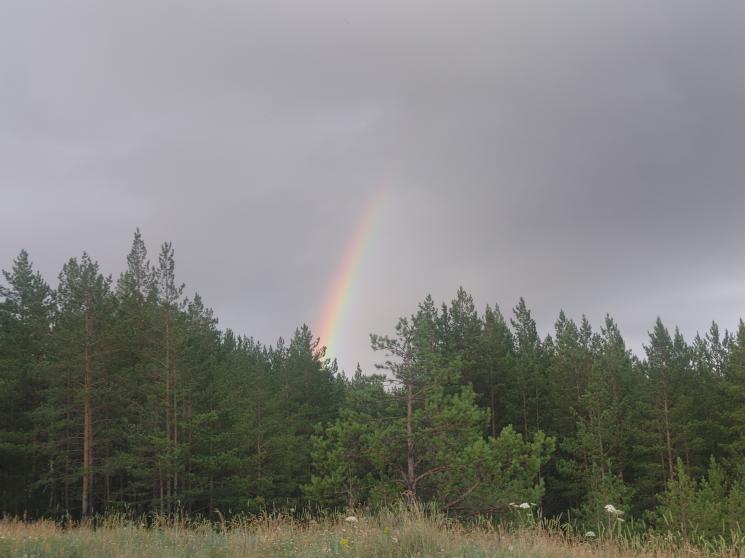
585,155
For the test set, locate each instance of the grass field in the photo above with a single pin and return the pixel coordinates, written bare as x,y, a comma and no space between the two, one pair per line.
404,533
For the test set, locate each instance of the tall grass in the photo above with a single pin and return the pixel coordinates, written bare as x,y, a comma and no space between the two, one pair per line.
403,532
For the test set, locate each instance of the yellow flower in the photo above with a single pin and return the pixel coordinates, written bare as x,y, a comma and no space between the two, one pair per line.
344,542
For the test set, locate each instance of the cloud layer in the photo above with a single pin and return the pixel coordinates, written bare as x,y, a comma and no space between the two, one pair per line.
584,155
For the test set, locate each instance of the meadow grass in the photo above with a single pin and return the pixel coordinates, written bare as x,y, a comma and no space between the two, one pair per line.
401,533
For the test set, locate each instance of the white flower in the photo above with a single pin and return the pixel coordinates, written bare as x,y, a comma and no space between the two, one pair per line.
524,506
351,519
590,534
611,509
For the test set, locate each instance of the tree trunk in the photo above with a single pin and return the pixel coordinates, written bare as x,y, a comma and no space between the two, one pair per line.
168,412
107,485
525,414
493,405
211,510
189,445
259,445
175,437
668,437
410,477
601,447
67,482
162,504
87,416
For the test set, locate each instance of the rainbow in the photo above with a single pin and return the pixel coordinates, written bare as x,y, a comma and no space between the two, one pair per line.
337,298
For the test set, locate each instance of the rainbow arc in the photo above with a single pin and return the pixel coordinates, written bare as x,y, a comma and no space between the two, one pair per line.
337,299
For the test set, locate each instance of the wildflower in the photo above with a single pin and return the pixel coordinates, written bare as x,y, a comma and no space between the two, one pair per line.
590,535
344,542
524,506
611,509
351,519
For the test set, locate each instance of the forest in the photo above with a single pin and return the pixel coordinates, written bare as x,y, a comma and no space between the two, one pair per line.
123,396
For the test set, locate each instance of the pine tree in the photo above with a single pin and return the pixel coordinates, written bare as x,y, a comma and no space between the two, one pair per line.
461,330
309,393
495,364
168,340
528,375
134,458
25,317
435,444
349,468
568,375
733,397
662,379
79,371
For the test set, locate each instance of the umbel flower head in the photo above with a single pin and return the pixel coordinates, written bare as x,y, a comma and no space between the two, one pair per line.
523,506
611,509
351,519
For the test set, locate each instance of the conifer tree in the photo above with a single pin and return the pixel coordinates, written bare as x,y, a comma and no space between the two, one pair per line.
26,305
661,374
733,397
79,372
134,459
436,446
528,376
168,342
495,357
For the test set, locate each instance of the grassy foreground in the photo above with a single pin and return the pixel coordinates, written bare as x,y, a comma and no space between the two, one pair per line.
404,533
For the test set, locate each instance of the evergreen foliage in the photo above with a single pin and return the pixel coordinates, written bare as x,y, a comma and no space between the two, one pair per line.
125,396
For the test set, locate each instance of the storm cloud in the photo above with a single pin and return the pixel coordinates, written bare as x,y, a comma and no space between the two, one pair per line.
588,156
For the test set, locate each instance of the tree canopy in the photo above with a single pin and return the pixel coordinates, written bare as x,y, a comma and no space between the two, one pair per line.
125,396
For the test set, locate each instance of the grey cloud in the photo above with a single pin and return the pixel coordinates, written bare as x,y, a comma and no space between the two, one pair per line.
585,155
